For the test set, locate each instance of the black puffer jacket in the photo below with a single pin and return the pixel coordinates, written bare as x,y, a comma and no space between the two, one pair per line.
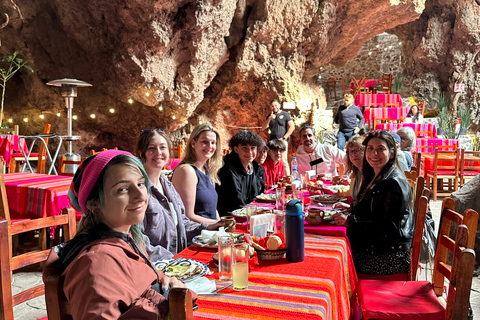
382,220
238,187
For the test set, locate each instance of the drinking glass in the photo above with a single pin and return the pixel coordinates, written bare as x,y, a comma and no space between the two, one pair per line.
250,210
240,266
225,257
280,199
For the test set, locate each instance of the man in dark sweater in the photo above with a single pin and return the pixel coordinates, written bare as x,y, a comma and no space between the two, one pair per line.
350,120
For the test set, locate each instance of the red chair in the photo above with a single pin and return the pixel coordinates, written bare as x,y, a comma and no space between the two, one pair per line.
469,165
446,167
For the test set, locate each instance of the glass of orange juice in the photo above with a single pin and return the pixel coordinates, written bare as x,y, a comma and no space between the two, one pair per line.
240,266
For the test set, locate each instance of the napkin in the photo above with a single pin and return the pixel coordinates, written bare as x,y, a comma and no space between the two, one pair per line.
201,285
207,234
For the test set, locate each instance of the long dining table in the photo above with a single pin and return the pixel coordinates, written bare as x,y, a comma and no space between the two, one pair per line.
37,195
363,100
323,286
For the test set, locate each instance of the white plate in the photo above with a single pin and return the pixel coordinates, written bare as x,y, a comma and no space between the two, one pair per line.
241,212
197,240
181,268
270,197
327,198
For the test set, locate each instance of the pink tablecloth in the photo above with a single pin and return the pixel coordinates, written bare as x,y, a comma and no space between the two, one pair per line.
37,195
362,100
173,164
419,128
9,144
393,113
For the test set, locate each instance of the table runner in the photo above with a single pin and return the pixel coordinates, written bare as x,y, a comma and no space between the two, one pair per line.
362,100
393,113
321,287
37,195
417,127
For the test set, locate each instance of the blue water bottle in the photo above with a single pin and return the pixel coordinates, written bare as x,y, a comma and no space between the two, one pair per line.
294,231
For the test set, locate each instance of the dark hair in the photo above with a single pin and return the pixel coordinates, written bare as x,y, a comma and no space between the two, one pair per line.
363,130
247,138
144,141
367,171
306,127
275,100
276,144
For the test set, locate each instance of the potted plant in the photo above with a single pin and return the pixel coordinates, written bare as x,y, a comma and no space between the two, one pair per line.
398,83
464,114
445,120
13,63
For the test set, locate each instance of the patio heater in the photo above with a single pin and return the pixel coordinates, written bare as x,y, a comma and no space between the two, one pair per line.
69,92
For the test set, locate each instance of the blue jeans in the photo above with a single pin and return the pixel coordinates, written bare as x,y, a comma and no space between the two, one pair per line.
343,137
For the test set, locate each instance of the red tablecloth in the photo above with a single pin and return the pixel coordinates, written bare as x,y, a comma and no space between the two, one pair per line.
369,83
9,144
321,287
362,100
173,164
37,195
417,127
391,113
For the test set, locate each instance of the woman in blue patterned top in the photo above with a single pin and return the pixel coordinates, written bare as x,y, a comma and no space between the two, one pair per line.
195,176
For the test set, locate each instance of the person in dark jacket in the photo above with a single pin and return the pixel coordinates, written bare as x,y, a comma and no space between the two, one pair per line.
381,226
239,176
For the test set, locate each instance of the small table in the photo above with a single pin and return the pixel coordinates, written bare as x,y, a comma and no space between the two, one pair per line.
37,195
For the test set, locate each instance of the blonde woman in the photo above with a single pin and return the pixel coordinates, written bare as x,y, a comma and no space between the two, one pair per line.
195,176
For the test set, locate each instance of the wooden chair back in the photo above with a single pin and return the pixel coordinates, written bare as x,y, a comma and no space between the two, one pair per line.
469,165
446,165
331,88
58,307
358,83
93,152
63,163
392,105
179,151
15,130
411,175
421,107
376,104
417,237
343,86
40,157
449,218
9,264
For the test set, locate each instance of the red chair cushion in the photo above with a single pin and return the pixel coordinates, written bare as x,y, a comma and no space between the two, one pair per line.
470,173
19,154
412,300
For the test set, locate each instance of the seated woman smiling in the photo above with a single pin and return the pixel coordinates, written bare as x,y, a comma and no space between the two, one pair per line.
380,228
106,270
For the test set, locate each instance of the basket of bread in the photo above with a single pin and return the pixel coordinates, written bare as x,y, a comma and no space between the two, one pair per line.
271,247
315,187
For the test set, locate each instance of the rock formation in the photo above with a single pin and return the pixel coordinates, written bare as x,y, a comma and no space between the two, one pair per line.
217,61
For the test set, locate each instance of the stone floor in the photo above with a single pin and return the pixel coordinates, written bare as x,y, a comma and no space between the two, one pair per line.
35,309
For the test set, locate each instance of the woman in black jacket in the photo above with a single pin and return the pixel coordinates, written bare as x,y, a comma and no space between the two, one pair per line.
381,224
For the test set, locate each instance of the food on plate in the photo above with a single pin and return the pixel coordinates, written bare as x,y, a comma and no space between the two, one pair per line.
209,238
340,188
262,211
327,198
183,269
266,197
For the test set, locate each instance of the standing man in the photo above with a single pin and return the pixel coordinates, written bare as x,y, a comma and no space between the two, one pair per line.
312,155
350,118
281,127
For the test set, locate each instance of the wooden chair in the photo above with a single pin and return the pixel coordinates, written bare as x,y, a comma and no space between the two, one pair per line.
63,163
392,105
15,130
358,82
9,263
421,107
443,168
343,86
331,87
92,151
179,151
381,119
376,105
40,157
419,299
411,175
469,167
58,307
386,83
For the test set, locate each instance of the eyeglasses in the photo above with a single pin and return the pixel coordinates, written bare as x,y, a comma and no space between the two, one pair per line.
156,129
355,152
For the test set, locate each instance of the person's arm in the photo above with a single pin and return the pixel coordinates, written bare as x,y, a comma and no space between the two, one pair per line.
336,118
265,123
155,252
185,182
291,128
361,118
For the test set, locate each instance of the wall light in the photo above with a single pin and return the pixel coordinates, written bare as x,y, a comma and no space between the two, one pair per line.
111,110
130,100
10,120
93,116
25,119
75,117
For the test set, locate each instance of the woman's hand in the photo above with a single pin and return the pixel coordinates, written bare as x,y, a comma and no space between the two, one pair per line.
340,219
216,225
171,282
341,205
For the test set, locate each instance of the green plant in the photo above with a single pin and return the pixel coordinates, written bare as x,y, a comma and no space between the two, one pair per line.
14,64
446,122
398,83
465,115
442,102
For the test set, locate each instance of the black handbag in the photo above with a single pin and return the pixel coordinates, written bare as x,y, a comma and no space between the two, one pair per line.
429,240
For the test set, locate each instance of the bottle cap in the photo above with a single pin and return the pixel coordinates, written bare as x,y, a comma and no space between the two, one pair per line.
294,208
